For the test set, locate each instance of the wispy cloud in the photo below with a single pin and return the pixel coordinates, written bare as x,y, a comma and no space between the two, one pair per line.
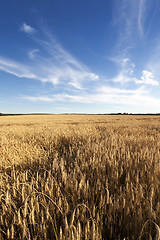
153,63
63,66
106,95
49,62
100,93
127,74
147,78
38,99
129,18
32,53
141,16
27,28
115,90
53,64
15,68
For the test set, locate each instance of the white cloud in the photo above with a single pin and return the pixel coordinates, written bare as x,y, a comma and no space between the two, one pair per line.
57,67
153,64
121,78
38,99
63,66
15,68
84,98
129,18
32,53
27,29
126,72
141,15
108,95
121,91
125,60
75,82
147,78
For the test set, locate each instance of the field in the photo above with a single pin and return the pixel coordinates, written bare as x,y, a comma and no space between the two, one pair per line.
79,177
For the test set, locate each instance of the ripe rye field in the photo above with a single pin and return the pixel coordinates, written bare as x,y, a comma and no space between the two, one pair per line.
80,177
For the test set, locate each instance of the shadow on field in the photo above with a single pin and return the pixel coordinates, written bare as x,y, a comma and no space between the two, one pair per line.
81,190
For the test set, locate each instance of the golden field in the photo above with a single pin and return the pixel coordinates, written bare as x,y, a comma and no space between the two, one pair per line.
80,177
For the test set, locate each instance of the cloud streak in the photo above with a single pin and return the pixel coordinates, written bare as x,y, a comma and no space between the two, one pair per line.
73,82
38,99
52,64
127,74
15,68
147,78
129,19
27,29
32,53
106,95
141,16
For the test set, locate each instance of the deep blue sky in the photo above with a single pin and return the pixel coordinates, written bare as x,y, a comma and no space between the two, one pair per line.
83,56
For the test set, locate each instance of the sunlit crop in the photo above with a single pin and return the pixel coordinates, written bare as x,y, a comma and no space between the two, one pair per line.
80,177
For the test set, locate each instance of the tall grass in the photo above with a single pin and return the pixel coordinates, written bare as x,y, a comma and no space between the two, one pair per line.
80,177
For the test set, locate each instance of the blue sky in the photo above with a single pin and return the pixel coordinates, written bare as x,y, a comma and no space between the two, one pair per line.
79,56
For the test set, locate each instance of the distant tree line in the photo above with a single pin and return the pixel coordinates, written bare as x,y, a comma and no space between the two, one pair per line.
19,114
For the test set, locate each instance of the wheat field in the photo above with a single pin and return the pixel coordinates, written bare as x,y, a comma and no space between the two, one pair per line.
79,177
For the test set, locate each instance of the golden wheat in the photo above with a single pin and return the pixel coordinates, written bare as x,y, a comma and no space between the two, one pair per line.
80,177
